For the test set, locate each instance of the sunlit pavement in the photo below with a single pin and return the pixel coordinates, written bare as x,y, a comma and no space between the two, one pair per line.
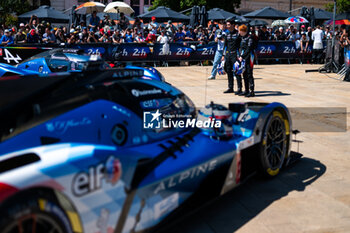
313,195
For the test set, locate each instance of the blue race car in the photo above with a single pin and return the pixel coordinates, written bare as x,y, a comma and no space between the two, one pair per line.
74,60
58,60
110,152
8,70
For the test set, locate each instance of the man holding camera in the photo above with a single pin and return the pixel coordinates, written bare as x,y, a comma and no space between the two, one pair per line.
220,40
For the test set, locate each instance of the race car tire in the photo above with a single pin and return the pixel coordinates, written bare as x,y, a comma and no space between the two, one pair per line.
273,147
33,212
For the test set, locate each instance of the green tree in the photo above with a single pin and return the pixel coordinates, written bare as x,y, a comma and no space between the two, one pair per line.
342,6
185,4
10,8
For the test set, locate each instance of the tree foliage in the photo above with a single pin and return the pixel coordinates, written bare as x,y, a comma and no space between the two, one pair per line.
11,8
342,6
185,4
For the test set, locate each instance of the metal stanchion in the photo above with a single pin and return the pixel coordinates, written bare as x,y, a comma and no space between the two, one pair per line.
330,66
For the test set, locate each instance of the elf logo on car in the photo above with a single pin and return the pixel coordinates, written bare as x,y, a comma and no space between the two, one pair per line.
85,182
9,57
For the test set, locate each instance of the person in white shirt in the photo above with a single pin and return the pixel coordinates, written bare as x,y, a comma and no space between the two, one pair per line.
317,37
164,40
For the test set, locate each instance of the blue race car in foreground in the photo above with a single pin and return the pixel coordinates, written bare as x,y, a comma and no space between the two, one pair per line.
8,70
66,60
109,152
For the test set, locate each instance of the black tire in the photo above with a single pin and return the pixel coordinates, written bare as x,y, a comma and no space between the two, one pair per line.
39,211
274,144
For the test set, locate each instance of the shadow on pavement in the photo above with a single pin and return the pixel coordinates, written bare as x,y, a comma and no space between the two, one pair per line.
230,212
270,93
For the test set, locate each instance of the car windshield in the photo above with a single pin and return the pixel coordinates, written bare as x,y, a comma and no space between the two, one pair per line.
178,109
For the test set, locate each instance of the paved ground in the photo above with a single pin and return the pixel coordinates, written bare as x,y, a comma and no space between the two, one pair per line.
311,196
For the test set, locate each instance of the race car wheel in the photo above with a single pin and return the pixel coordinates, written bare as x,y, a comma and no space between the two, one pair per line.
273,147
40,214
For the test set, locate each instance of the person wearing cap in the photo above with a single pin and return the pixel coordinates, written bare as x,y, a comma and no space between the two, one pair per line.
170,26
91,38
246,53
33,37
6,39
232,42
151,37
153,23
139,37
301,31
220,40
282,34
22,26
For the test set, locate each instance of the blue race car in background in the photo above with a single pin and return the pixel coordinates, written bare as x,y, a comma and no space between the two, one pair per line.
72,60
59,60
106,151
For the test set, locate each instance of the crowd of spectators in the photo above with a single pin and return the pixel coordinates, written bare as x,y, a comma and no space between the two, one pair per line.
302,36
106,30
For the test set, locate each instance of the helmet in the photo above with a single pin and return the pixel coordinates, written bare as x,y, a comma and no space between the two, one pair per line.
221,70
216,113
239,67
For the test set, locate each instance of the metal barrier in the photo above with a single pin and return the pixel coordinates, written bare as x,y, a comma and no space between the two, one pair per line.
143,52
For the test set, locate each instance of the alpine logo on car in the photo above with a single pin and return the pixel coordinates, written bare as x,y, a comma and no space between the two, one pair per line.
186,176
9,57
92,180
